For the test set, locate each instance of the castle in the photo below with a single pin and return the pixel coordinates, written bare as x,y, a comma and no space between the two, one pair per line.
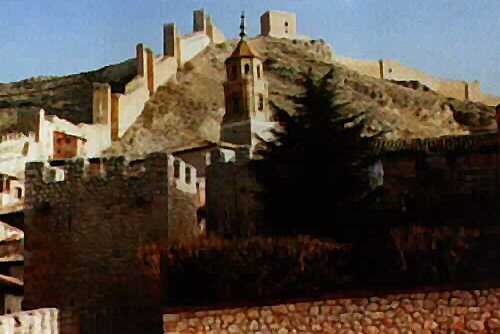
95,226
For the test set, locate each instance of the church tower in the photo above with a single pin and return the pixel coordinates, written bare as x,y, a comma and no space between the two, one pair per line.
246,95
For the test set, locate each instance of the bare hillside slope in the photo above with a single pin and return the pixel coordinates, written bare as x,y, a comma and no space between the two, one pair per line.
191,108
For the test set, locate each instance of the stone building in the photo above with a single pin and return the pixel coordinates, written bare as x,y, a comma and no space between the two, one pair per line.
231,184
278,24
95,229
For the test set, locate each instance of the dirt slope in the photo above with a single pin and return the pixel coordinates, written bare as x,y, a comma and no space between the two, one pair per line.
191,107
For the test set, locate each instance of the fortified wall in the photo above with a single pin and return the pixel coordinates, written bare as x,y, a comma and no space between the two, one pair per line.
94,231
394,70
426,179
119,110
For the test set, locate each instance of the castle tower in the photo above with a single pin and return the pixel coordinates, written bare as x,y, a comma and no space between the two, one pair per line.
246,95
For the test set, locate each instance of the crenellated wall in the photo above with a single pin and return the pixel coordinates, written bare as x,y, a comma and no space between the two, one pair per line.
93,227
119,110
394,70
39,321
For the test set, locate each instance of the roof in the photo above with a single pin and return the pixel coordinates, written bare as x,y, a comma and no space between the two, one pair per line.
438,145
193,146
10,281
244,50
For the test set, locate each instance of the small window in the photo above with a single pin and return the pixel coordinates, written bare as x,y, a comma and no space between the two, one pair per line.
188,175
59,140
236,104
233,72
58,151
286,27
258,71
390,70
177,169
247,68
19,192
286,23
68,140
261,102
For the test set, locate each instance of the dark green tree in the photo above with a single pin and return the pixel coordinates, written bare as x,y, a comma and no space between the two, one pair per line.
317,166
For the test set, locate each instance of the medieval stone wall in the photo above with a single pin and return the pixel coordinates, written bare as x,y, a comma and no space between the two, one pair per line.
459,311
231,199
91,239
394,70
422,182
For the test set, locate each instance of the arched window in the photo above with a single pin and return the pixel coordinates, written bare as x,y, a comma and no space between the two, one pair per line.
261,102
177,168
247,68
258,71
188,175
236,104
233,72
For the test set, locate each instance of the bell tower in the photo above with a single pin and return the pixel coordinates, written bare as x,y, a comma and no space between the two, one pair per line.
245,93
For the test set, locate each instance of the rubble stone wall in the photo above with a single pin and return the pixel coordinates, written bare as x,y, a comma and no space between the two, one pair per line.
476,311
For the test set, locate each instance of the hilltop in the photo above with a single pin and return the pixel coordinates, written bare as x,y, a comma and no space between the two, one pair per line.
191,107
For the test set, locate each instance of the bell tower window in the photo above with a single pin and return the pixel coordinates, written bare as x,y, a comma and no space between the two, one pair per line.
258,71
247,68
261,102
236,104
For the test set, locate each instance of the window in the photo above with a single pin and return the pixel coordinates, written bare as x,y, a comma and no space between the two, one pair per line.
286,27
236,104
247,68
177,168
233,72
19,192
188,175
258,71
261,102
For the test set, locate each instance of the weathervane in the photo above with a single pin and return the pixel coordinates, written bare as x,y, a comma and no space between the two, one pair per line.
242,25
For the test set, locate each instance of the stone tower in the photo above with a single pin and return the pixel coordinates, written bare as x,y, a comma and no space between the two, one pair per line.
246,95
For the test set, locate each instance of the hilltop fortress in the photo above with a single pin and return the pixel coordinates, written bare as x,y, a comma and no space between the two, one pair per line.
95,225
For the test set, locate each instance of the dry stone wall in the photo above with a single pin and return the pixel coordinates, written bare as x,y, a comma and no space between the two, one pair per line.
459,311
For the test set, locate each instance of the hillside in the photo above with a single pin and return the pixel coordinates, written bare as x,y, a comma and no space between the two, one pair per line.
69,97
191,107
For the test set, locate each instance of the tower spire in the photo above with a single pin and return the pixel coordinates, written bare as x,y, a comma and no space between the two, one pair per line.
242,26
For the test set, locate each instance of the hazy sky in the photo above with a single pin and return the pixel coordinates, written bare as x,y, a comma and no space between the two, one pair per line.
455,39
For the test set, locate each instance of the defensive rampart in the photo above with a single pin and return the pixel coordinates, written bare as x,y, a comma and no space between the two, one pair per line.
119,110
95,229
394,70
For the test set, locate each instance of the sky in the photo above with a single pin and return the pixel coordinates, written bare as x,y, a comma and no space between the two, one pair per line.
452,39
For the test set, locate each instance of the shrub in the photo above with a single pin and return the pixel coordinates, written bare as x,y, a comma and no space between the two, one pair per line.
217,271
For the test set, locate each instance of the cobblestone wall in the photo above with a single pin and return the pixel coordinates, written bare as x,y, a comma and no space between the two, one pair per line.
476,311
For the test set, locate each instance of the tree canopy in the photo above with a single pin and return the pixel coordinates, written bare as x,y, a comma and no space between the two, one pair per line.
317,165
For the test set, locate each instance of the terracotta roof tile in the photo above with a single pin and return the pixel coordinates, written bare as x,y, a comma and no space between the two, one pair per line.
244,50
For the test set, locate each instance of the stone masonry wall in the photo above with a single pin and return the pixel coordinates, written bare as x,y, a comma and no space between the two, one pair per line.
86,237
476,311
40,321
